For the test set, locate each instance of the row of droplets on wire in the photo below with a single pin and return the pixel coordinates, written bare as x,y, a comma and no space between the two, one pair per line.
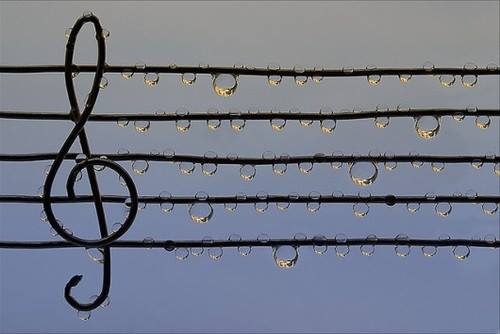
426,127
226,84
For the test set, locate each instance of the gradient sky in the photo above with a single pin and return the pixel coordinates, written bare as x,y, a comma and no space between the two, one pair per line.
151,291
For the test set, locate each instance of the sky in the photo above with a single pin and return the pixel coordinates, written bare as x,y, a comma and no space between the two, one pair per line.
151,290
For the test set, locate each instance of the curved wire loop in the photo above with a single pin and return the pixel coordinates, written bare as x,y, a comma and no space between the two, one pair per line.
78,131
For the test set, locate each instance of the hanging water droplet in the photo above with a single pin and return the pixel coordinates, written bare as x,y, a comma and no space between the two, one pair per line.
281,168
496,169
447,80
278,124
318,77
182,125
151,79
67,32
116,227
263,238
201,211
84,315
443,209
336,164
140,167
469,80
95,254
314,203
341,250
483,122
224,84
148,241
373,79
461,252
413,207
327,125
459,116
127,73
186,167
181,253
404,78
274,80
360,209
305,167
142,126
427,127
215,253
437,166
100,168
363,173
197,251
319,246
489,208
237,124
188,78
369,250
122,122
285,256
209,169
390,165
402,250
261,206
247,172
477,163
429,251
299,78
104,83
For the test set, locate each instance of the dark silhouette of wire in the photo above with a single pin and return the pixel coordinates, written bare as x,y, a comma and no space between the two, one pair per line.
171,244
317,158
251,71
381,199
261,115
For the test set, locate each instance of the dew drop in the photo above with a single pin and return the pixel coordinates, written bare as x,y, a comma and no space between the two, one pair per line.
274,80
427,127
447,80
186,167
247,172
151,79
483,122
285,256
299,78
224,84
360,209
404,78
142,126
188,78
140,167
363,173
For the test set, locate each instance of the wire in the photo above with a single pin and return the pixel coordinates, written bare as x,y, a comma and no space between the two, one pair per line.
267,115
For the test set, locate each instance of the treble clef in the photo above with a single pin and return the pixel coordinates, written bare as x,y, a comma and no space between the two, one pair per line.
80,118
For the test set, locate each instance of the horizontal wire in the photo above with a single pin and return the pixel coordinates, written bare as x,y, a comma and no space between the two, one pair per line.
385,199
264,115
317,158
252,71
171,244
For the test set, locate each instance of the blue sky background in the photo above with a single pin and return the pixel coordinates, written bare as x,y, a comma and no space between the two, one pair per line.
151,291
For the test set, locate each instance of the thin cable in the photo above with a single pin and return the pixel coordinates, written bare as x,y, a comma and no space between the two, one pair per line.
261,115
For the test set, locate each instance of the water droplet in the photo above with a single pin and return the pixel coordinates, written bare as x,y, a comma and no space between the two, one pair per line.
437,167
413,207
496,169
469,80
327,125
140,167
428,66
67,32
247,172
281,168
477,163
363,173
96,254
319,246
314,203
142,126
188,78
104,83
429,251
116,227
148,241
285,256
104,304
230,207
278,124
151,79
201,211
305,167
43,216
122,122
209,169
182,125
447,80
404,78
459,116
181,253
197,251
263,238
483,122
317,78
237,124
127,73
213,124
348,69
84,315
461,252
215,253
100,168
390,165
336,164
262,206
186,167
274,80
369,250
402,250
299,78
443,209
341,250
373,79
360,209
427,127
490,208
224,84
416,163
